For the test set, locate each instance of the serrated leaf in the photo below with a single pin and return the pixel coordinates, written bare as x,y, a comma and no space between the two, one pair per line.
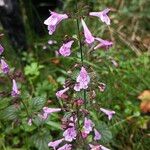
41,139
33,69
26,127
9,113
37,103
38,121
4,103
105,132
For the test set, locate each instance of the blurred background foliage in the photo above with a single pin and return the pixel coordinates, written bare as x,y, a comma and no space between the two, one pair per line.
125,69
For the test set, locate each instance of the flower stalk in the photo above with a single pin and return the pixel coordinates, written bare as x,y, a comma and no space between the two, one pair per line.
80,46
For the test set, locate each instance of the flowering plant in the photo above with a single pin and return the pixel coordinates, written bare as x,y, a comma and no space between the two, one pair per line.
43,105
78,126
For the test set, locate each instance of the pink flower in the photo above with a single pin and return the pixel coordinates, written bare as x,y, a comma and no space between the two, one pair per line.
98,147
102,15
65,48
82,80
1,49
15,92
84,135
4,67
61,93
55,143
54,20
77,87
102,86
47,111
88,125
30,122
70,134
94,147
109,113
103,43
97,135
87,34
65,147
103,148
79,102
73,120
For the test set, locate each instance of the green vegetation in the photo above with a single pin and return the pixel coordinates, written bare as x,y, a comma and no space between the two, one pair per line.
124,68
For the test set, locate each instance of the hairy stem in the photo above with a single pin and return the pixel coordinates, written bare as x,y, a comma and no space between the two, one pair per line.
79,36
82,60
25,107
81,50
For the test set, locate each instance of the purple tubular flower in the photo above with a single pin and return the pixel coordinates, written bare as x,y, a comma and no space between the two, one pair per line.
55,143
1,49
60,94
70,134
109,113
94,147
88,125
65,147
98,147
102,15
54,20
103,43
4,67
65,48
97,135
82,80
47,111
15,92
87,34
84,135
77,87
103,148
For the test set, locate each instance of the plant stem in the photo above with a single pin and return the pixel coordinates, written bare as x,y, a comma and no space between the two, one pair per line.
25,107
82,60
79,36
81,50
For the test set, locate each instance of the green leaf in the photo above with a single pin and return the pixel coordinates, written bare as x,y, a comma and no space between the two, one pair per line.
45,88
41,140
105,132
54,125
37,103
27,127
4,103
38,121
9,113
33,69
61,80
